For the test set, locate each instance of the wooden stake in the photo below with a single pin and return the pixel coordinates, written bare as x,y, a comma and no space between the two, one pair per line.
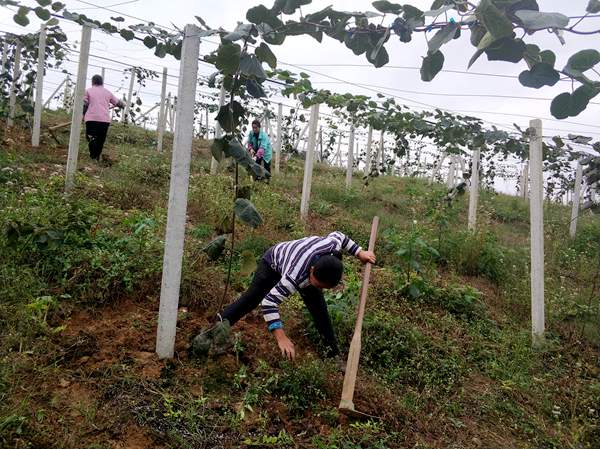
346,403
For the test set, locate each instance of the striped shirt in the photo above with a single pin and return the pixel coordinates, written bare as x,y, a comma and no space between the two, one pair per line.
293,260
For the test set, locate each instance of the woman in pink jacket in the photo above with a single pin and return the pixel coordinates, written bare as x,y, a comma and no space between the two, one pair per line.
96,111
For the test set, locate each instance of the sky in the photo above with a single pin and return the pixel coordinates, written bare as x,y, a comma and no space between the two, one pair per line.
455,92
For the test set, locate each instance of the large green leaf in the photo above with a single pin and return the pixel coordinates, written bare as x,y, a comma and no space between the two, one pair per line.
506,49
288,6
21,19
246,212
42,13
127,34
228,58
387,7
593,6
217,148
150,41
242,31
215,247
44,2
541,74
570,105
494,20
583,60
255,89
382,58
230,119
535,20
432,64
359,43
260,14
269,35
264,54
443,36
251,66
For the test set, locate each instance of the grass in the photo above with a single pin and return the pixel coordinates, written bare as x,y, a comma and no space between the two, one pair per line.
447,365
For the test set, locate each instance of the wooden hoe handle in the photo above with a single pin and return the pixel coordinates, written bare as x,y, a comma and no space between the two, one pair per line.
355,345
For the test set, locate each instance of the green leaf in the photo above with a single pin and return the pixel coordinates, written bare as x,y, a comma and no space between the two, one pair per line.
359,43
255,89
230,120
593,6
386,7
269,35
42,13
497,24
531,55
535,20
215,247
442,37
247,213
160,50
127,34
583,60
247,263
150,41
260,14
217,148
506,49
288,6
548,57
264,54
251,66
570,105
432,64
242,31
117,19
382,58
57,6
379,45
228,58
21,19
540,75
44,2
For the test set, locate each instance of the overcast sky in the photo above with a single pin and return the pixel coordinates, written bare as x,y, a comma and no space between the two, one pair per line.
404,83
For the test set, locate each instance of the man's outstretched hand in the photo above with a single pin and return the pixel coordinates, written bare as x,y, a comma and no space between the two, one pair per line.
367,256
285,344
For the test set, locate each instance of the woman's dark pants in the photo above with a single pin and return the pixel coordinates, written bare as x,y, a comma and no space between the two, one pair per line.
95,133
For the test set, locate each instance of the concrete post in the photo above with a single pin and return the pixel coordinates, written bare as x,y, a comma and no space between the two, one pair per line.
576,199
350,167
537,232
279,142
126,113
207,136
4,57
103,74
524,187
77,114
474,190
308,163
162,112
300,136
12,98
172,116
67,95
451,171
380,150
214,164
178,192
368,151
39,89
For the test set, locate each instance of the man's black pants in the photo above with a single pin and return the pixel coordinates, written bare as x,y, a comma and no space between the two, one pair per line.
265,278
95,133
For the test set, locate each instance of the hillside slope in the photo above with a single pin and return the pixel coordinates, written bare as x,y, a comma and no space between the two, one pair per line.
446,360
